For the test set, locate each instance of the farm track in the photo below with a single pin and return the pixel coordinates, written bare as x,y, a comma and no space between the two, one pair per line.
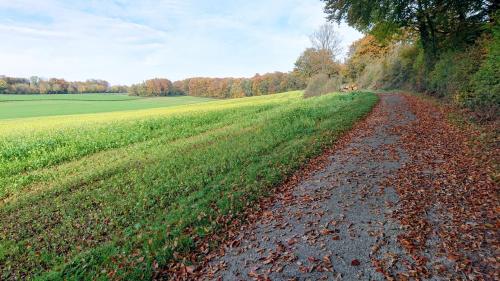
326,227
346,219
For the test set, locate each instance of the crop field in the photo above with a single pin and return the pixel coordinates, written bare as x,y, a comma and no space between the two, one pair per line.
19,106
114,195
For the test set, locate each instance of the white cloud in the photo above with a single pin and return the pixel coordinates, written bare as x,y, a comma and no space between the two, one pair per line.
127,41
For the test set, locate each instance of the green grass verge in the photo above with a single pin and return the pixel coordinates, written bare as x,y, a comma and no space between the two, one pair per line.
94,200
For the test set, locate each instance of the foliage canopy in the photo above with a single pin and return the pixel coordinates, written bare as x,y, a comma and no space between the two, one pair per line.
439,23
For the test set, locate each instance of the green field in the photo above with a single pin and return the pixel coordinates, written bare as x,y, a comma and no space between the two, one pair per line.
18,106
106,196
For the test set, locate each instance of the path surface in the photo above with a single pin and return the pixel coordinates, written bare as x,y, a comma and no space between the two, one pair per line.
404,196
337,221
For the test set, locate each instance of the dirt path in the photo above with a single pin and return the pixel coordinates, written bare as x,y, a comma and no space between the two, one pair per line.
403,196
337,221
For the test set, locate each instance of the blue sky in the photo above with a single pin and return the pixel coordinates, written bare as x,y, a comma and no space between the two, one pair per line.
127,41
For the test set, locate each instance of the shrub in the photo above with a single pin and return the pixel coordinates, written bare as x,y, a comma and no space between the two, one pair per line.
321,84
3,86
371,76
316,85
453,72
398,67
466,73
393,70
334,84
484,98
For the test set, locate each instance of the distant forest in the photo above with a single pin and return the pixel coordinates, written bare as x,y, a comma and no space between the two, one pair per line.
38,85
268,83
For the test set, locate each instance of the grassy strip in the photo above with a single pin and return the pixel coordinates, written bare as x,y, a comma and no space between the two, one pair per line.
117,220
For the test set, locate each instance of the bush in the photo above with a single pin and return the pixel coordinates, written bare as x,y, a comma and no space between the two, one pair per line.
453,72
484,98
398,67
471,77
467,74
334,84
393,70
321,84
3,86
371,76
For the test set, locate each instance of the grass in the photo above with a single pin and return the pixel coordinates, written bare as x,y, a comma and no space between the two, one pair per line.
22,106
106,196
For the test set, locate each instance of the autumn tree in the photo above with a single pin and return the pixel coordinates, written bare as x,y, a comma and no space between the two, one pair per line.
3,86
38,85
236,89
43,87
268,83
118,89
326,38
439,23
72,88
153,87
181,86
158,87
313,61
362,52
58,86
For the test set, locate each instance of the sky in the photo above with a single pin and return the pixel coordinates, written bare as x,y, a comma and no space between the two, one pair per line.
128,41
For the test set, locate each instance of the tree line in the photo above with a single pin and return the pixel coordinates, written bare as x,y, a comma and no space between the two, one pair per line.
265,84
37,85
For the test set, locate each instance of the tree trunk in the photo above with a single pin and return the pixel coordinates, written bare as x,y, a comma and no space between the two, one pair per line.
427,36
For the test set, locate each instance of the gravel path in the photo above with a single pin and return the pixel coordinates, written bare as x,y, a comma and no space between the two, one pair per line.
336,225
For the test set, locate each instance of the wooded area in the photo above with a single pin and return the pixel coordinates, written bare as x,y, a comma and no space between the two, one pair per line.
449,49
38,85
269,83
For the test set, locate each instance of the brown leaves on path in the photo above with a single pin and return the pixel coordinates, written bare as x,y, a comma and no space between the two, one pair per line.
229,236
448,203
448,209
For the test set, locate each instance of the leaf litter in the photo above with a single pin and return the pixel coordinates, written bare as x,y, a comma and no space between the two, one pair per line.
431,210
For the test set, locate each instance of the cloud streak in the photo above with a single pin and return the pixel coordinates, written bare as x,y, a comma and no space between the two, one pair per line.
128,41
